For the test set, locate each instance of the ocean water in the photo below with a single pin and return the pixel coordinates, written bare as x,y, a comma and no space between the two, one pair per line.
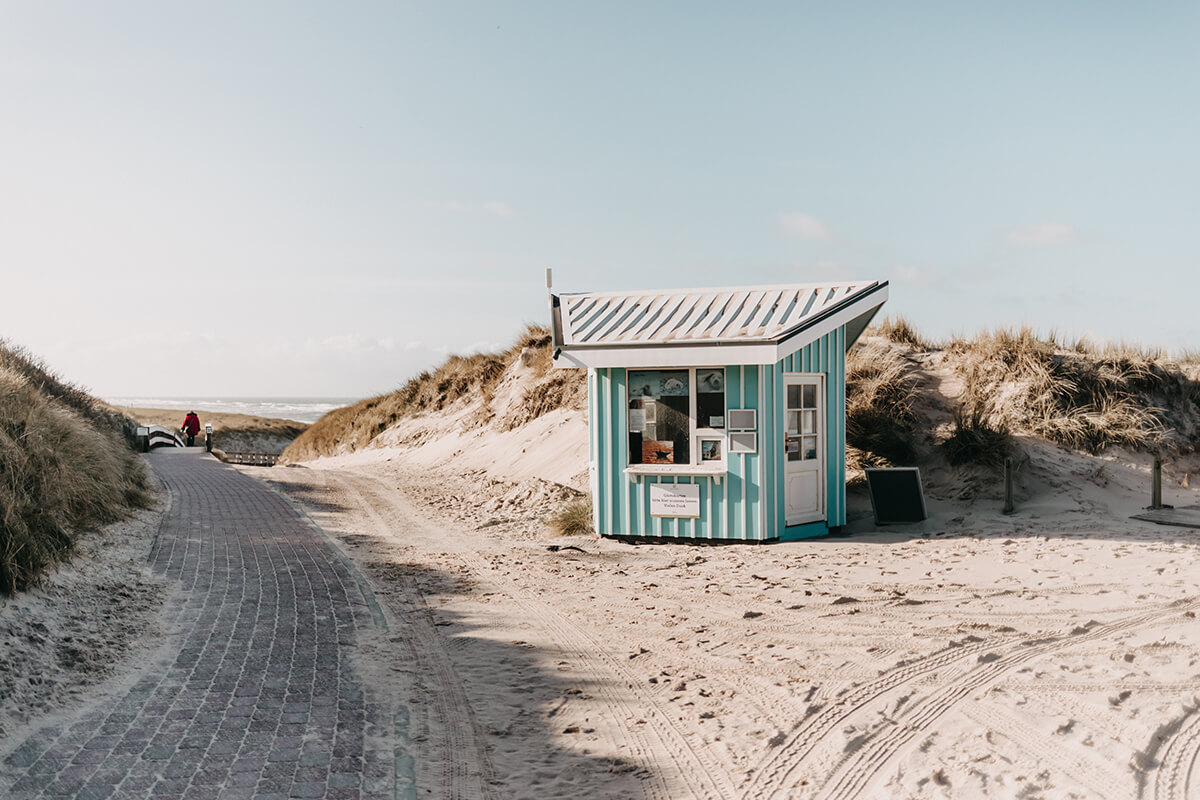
301,409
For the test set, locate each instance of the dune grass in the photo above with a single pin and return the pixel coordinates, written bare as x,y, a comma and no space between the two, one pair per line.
66,465
981,433
471,378
881,394
900,331
573,519
1076,394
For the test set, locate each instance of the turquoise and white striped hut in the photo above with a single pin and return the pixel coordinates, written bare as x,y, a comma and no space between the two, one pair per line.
716,413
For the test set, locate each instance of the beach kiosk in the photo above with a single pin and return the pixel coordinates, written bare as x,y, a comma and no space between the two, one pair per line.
716,414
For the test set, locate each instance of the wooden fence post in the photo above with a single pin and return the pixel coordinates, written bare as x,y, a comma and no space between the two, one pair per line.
1009,506
208,437
1156,484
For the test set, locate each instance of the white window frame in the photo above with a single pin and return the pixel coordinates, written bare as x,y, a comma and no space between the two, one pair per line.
696,434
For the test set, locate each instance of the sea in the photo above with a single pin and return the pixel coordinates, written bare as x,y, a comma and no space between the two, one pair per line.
300,409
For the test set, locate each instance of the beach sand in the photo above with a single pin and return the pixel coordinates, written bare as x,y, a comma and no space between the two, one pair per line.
77,633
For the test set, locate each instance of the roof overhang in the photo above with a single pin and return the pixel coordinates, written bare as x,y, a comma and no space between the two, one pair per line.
851,305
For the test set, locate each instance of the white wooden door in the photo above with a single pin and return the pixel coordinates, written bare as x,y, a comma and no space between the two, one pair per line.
804,448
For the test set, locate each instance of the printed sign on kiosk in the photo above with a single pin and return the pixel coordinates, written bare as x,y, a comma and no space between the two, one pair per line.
675,500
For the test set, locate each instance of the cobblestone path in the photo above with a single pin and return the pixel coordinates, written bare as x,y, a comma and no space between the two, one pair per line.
257,696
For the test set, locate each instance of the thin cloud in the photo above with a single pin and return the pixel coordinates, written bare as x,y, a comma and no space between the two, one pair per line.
905,273
499,209
803,226
1048,234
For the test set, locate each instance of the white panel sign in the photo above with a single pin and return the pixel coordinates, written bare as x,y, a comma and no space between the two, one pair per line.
675,500
743,443
743,419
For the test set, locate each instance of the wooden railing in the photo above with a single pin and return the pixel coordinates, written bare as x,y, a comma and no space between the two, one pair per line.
157,436
251,459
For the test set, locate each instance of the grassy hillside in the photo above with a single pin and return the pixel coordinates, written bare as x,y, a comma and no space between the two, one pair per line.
67,464
969,401
461,379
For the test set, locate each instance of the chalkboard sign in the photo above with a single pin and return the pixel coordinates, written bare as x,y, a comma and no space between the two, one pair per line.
896,494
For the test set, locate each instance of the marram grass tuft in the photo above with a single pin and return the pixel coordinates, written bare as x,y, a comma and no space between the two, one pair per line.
65,466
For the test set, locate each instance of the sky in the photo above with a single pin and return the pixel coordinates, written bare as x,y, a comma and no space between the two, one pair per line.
323,199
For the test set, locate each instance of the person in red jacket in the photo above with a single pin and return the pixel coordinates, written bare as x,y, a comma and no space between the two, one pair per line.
191,426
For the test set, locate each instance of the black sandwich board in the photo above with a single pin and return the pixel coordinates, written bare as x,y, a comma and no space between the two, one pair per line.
896,494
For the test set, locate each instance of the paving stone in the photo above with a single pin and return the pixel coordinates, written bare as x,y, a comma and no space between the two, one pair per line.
95,792
307,790
159,753
343,780
279,769
90,756
314,759
291,755
48,766
137,785
274,786
236,793
67,786
248,779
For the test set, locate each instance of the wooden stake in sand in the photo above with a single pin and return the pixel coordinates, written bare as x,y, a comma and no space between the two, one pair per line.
1009,506
1156,484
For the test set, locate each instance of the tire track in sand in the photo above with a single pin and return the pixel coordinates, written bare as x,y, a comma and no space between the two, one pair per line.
1094,774
857,770
1178,776
661,743
771,770
466,770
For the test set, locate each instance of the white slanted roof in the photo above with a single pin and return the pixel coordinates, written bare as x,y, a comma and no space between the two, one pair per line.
706,327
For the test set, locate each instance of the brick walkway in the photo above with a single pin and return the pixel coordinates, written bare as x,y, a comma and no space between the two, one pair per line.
258,697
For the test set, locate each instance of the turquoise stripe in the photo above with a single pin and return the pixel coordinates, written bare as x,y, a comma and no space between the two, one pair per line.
620,440
604,425
753,493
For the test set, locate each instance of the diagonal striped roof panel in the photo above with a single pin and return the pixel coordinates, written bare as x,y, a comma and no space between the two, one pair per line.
695,316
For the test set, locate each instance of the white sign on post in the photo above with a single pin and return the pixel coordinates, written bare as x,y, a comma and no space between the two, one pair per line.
675,500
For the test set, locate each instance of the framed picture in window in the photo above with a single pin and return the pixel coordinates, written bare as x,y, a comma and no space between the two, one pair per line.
712,450
658,452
